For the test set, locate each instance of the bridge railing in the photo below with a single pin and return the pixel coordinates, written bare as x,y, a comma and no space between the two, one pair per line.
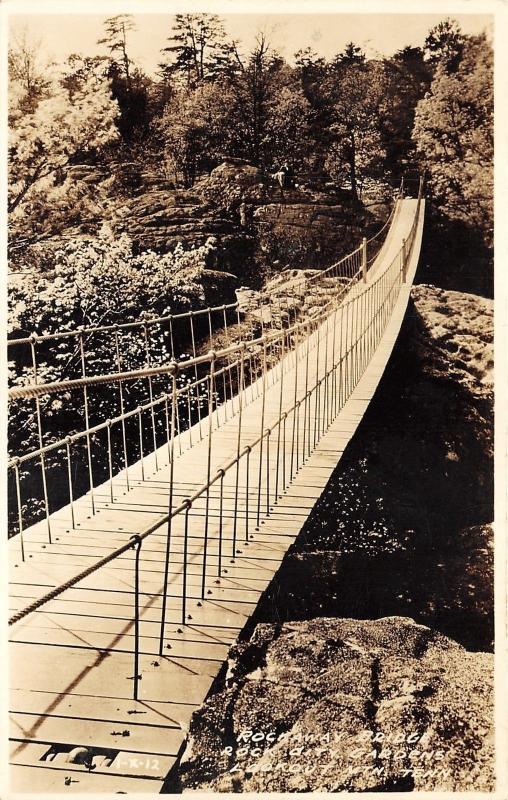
342,335
136,431
194,390
408,186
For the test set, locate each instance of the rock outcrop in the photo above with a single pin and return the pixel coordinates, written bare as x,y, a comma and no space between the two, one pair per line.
307,225
159,219
253,221
461,326
346,705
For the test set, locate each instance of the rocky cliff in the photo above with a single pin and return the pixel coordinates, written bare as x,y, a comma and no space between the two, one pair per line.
403,525
255,224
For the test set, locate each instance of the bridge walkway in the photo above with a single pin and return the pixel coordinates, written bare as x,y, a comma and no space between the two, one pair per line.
71,661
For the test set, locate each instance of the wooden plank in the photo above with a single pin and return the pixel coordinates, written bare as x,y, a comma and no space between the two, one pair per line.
196,643
106,675
120,710
206,613
122,642
29,753
123,601
45,779
130,737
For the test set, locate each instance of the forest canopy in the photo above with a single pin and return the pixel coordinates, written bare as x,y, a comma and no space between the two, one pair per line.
84,134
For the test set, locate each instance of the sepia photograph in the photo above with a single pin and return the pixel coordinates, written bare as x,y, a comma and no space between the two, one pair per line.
249,399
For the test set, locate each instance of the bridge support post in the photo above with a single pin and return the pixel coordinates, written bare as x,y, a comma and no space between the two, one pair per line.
404,261
136,544
364,259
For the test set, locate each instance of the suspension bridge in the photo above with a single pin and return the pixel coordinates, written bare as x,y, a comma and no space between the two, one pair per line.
126,595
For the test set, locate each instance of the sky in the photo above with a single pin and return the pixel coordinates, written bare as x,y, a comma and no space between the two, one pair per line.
63,34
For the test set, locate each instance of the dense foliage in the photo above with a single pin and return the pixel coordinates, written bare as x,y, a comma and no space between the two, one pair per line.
84,283
98,280
454,136
46,138
351,119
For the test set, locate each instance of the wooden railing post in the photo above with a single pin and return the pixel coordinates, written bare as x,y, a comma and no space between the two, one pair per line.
364,259
404,261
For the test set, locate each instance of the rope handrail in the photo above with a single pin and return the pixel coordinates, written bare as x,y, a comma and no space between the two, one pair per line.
41,389
38,390
85,331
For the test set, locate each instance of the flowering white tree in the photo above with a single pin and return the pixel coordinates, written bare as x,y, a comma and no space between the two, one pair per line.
92,281
99,280
64,125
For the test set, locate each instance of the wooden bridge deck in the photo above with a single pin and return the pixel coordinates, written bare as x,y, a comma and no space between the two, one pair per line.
71,662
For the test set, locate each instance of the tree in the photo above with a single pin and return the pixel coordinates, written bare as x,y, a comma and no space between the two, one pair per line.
196,129
63,128
199,50
352,54
116,41
98,279
409,63
29,76
407,78
287,126
134,103
453,133
78,69
253,89
309,69
357,149
444,44
129,86
356,154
